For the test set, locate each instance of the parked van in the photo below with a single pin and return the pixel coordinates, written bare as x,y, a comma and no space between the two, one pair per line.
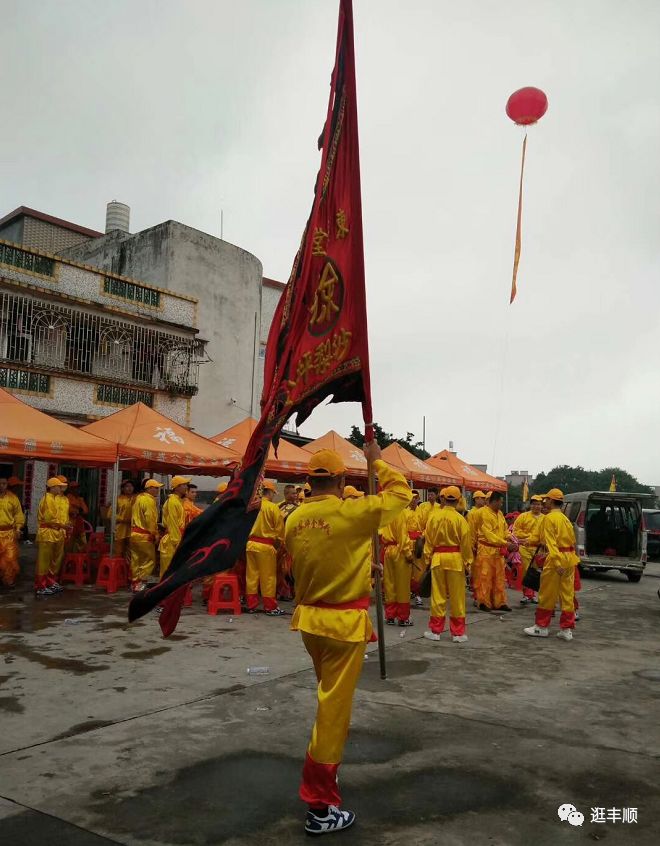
609,531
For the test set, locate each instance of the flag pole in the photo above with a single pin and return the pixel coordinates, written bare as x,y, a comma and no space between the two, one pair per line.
378,580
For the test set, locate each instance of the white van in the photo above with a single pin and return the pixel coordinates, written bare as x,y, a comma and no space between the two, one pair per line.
609,531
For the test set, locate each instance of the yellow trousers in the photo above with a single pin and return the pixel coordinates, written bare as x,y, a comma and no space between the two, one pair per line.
396,584
49,561
9,568
490,588
143,559
556,587
447,586
338,665
261,573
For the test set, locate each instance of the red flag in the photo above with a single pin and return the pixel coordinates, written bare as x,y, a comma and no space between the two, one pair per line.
317,346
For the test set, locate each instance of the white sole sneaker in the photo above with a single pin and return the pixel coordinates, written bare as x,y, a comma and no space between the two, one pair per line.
535,631
431,636
459,638
565,634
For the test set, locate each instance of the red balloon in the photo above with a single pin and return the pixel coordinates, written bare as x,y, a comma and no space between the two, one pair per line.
527,105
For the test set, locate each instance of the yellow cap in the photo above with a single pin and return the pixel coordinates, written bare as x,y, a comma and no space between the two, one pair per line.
180,480
222,487
479,494
537,498
269,485
452,493
54,481
63,480
555,494
152,483
488,495
352,493
307,487
326,462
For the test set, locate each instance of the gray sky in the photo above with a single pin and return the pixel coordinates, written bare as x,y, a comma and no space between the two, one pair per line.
180,107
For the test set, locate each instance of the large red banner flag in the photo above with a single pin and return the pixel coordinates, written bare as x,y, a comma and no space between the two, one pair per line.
317,346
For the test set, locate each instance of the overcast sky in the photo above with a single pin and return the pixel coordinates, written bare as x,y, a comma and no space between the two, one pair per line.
179,108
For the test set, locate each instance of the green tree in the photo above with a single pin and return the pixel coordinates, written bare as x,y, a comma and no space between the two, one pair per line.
384,439
574,479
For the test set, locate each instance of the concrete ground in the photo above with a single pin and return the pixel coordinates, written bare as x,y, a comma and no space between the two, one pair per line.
110,734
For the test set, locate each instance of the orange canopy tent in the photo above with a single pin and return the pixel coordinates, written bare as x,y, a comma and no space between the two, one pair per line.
353,457
26,432
145,439
415,469
291,460
473,479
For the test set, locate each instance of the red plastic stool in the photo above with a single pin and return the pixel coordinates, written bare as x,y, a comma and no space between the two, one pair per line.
76,569
188,598
95,541
217,601
113,573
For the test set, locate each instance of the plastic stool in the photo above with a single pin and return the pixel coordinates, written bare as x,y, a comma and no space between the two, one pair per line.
76,569
95,541
113,574
217,601
188,598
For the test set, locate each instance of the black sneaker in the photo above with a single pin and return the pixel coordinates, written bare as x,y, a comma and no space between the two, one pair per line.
503,608
483,607
407,622
276,612
44,591
334,820
390,622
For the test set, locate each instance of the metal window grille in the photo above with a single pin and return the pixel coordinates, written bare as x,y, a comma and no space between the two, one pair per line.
27,261
67,340
23,380
130,291
115,395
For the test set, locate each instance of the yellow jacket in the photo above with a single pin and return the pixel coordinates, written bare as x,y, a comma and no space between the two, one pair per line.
534,538
396,539
269,524
191,510
524,527
11,513
447,528
412,520
124,512
493,528
174,521
144,518
557,534
473,518
423,511
52,518
330,542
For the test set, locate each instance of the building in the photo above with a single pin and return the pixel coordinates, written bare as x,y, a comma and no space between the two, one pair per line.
517,478
80,343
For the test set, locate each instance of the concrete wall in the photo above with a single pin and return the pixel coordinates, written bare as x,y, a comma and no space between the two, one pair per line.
227,282
270,298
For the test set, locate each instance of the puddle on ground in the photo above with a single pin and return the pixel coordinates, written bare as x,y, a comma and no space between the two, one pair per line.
210,798
649,675
16,649
11,705
365,747
146,653
371,680
83,728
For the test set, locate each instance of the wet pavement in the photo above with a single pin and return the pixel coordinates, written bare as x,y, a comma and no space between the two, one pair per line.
111,734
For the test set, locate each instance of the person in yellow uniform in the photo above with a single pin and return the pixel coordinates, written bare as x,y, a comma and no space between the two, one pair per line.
414,533
173,520
52,522
524,530
222,487
125,502
190,507
144,534
558,574
12,520
78,510
420,563
261,554
448,546
397,554
492,545
284,578
329,540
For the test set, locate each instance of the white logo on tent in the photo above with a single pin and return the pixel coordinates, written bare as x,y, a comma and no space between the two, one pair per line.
357,456
227,442
167,435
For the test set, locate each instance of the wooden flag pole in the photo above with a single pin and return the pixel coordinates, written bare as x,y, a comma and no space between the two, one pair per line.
380,616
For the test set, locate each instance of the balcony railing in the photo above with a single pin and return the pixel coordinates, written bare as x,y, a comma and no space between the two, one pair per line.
57,338
16,257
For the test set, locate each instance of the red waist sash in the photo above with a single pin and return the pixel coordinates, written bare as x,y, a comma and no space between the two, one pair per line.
51,526
414,535
140,531
566,548
266,541
361,604
446,549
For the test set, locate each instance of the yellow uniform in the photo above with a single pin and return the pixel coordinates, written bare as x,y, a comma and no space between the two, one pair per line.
12,521
52,519
261,557
449,549
144,530
174,521
525,529
330,541
558,537
473,518
397,552
123,525
492,540
191,510
421,565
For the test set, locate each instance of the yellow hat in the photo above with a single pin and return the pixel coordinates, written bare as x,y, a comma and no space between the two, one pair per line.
180,480
352,493
452,493
63,480
152,483
488,495
54,481
269,485
222,487
536,498
307,486
326,462
479,494
555,494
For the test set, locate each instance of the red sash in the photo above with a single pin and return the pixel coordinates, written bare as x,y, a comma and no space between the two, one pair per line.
361,604
566,548
266,541
139,531
414,535
446,549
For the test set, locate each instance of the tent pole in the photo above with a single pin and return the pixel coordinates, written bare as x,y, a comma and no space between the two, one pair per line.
113,515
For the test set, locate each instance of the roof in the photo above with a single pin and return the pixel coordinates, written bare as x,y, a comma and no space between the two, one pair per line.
26,432
473,479
353,457
290,460
148,440
49,218
415,469
273,283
